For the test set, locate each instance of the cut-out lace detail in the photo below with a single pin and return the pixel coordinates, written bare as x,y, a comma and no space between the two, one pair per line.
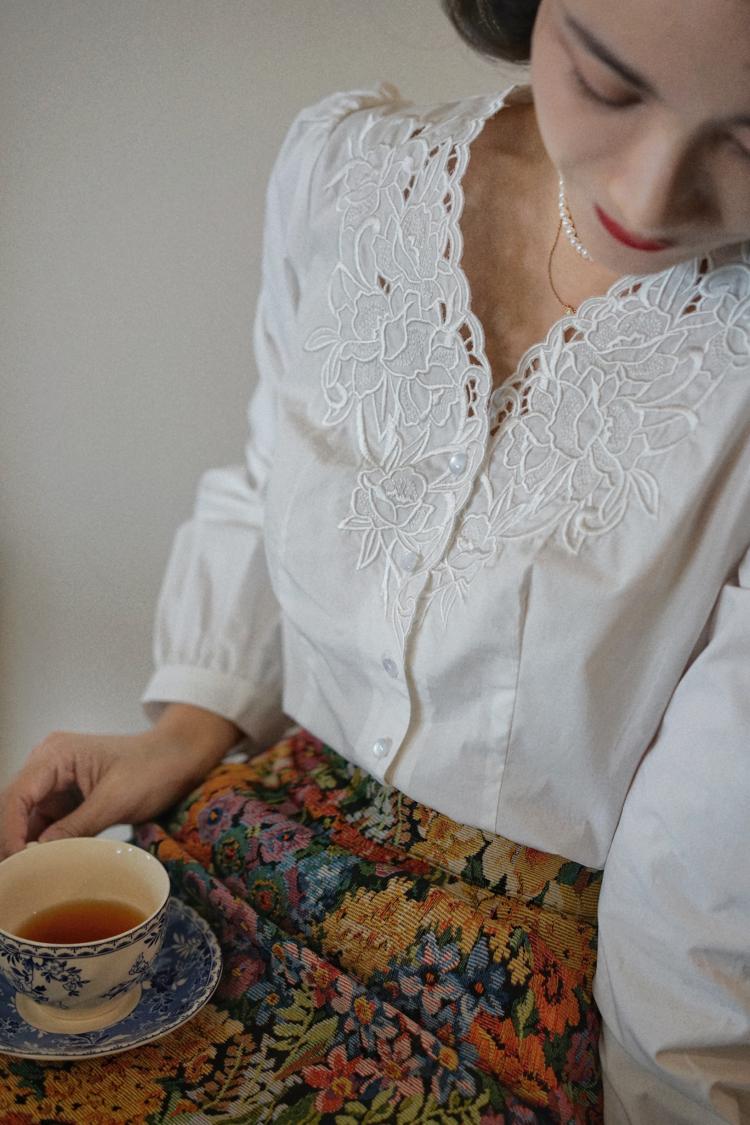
450,470
404,362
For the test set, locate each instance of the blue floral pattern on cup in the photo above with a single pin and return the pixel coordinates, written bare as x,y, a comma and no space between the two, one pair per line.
180,981
57,976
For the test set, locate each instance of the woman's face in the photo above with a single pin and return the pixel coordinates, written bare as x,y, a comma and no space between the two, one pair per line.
644,107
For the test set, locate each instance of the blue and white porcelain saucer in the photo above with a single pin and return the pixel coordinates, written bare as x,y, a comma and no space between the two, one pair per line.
185,976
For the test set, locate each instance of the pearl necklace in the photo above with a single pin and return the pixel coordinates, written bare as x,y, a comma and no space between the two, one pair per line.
566,223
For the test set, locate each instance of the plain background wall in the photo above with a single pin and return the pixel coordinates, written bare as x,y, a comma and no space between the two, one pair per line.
136,138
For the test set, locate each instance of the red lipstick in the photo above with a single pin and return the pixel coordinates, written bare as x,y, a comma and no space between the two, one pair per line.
624,236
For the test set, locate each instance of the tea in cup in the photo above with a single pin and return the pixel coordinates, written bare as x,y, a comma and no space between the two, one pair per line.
81,923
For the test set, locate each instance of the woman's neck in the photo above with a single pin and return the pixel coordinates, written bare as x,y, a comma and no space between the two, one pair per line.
519,187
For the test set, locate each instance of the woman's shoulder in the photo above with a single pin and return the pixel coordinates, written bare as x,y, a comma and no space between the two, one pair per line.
314,124
334,107
313,139
381,114
374,124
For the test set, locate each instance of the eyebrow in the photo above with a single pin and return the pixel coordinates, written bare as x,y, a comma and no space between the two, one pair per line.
597,48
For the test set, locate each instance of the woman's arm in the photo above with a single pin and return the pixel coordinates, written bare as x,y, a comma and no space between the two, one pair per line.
79,784
217,645
673,974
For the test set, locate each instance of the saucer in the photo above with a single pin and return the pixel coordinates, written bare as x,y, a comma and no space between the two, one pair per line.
186,973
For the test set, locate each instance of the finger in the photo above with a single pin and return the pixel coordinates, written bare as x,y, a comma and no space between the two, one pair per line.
37,824
57,805
15,828
100,810
38,780
52,808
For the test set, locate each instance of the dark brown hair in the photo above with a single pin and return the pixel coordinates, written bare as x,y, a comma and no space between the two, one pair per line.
500,29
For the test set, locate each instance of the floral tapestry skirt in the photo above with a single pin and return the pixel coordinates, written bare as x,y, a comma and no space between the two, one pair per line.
382,963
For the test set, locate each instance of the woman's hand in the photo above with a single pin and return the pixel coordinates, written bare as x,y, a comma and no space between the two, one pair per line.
80,784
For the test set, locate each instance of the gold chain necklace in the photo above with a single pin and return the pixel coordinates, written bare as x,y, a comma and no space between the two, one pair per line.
569,309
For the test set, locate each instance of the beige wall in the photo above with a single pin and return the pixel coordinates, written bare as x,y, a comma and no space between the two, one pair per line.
136,137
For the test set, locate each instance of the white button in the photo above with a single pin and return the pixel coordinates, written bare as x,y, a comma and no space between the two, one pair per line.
381,747
411,560
390,667
457,464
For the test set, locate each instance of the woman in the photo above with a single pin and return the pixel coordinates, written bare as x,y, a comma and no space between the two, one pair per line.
491,538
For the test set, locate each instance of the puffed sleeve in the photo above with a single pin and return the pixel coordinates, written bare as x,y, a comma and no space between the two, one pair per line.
217,632
673,974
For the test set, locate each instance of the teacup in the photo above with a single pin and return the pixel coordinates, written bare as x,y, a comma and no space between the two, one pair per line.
88,985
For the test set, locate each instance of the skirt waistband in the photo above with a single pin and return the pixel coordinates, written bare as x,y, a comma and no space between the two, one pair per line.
487,864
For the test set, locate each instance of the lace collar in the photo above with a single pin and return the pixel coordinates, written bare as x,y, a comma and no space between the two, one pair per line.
450,470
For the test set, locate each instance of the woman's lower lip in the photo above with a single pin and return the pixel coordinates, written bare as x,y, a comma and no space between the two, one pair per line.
622,235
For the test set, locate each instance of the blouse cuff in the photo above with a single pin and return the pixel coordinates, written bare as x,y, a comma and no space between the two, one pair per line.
226,695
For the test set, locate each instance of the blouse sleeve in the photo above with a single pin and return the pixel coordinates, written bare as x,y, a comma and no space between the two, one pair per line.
673,975
217,632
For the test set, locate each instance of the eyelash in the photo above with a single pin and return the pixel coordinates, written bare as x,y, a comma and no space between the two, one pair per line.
740,148
592,95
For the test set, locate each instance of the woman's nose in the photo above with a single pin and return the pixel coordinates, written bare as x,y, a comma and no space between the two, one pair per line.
658,186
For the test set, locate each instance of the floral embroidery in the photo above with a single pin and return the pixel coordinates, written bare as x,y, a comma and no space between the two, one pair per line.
566,448
610,390
403,360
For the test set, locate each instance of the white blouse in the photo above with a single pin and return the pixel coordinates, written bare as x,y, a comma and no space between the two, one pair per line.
497,601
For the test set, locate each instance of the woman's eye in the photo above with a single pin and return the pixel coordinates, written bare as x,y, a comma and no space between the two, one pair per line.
739,147
590,93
